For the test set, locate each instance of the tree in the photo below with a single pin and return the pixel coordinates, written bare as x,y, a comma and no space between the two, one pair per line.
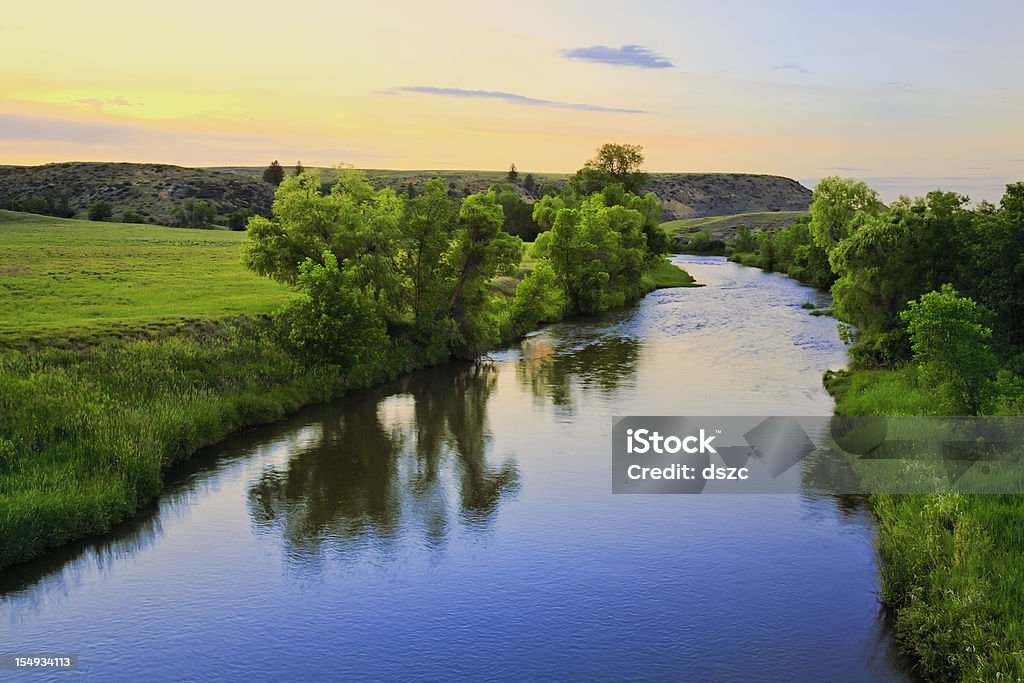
426,232
238,219
358,225
194,213
274,173
529,184
299,170
838,206
100,211
613,163
334,319
538,298
513,174
518,214
480,251
951,346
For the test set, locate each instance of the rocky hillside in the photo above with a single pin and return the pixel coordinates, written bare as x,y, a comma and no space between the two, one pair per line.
697,195
155,191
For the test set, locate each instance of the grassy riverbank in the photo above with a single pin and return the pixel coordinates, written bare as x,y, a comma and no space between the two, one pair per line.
951,566
124,349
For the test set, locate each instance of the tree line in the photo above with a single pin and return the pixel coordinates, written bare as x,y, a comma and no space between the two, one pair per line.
929,280
390,279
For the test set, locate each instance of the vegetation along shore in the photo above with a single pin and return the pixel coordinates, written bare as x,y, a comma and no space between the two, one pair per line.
124,348
931,293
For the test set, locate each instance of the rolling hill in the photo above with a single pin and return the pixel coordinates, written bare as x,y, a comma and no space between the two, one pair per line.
156,190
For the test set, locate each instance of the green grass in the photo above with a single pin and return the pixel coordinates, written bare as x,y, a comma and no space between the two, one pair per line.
951,566
62,278
666,274
761,220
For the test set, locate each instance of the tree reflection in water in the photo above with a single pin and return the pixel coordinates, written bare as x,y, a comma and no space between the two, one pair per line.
408,460
601,362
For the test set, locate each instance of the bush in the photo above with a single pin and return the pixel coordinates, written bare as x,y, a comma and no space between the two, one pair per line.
100,211
334,319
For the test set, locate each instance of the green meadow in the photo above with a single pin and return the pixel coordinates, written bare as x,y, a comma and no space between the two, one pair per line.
65,280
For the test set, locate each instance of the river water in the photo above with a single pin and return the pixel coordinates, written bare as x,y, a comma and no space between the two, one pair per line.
459,524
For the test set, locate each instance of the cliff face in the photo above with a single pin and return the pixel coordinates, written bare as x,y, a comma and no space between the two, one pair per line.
155,190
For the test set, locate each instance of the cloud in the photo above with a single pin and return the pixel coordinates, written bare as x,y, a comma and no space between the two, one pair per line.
848,169
636,56
790,66
509,97
896,84
97,102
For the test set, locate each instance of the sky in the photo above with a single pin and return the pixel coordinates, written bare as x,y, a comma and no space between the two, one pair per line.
909,95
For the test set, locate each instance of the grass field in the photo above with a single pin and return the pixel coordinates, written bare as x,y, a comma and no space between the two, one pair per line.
723,227
71,279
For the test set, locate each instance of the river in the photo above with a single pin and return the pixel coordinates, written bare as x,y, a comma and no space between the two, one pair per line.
459,524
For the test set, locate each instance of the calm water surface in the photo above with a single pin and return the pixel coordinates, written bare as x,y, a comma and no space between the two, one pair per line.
459,524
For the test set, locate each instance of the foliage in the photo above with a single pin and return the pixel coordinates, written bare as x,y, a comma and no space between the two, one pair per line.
529,183
538,299
335,319
512,175
299,169
274,173
194,213
951,346
613,163
518,214
238,219
132,217
100,211
837,206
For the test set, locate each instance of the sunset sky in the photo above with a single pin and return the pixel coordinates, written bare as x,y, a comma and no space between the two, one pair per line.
909,93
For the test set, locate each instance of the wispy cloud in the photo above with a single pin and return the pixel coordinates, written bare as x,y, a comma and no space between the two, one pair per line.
509,97
636,56
97,102
790,66
896,84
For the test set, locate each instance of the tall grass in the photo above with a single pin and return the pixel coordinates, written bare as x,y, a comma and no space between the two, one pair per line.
951,566
85,434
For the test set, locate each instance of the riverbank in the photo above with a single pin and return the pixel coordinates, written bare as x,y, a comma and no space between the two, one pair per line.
88,424
951,566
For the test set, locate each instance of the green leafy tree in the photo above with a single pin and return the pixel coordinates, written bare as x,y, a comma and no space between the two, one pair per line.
100,211
334,319
299,169
951,346
480,251
530,184
518,214
838,206
274,173
613,163
194,213
539,298
238,219
427,229
358,225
